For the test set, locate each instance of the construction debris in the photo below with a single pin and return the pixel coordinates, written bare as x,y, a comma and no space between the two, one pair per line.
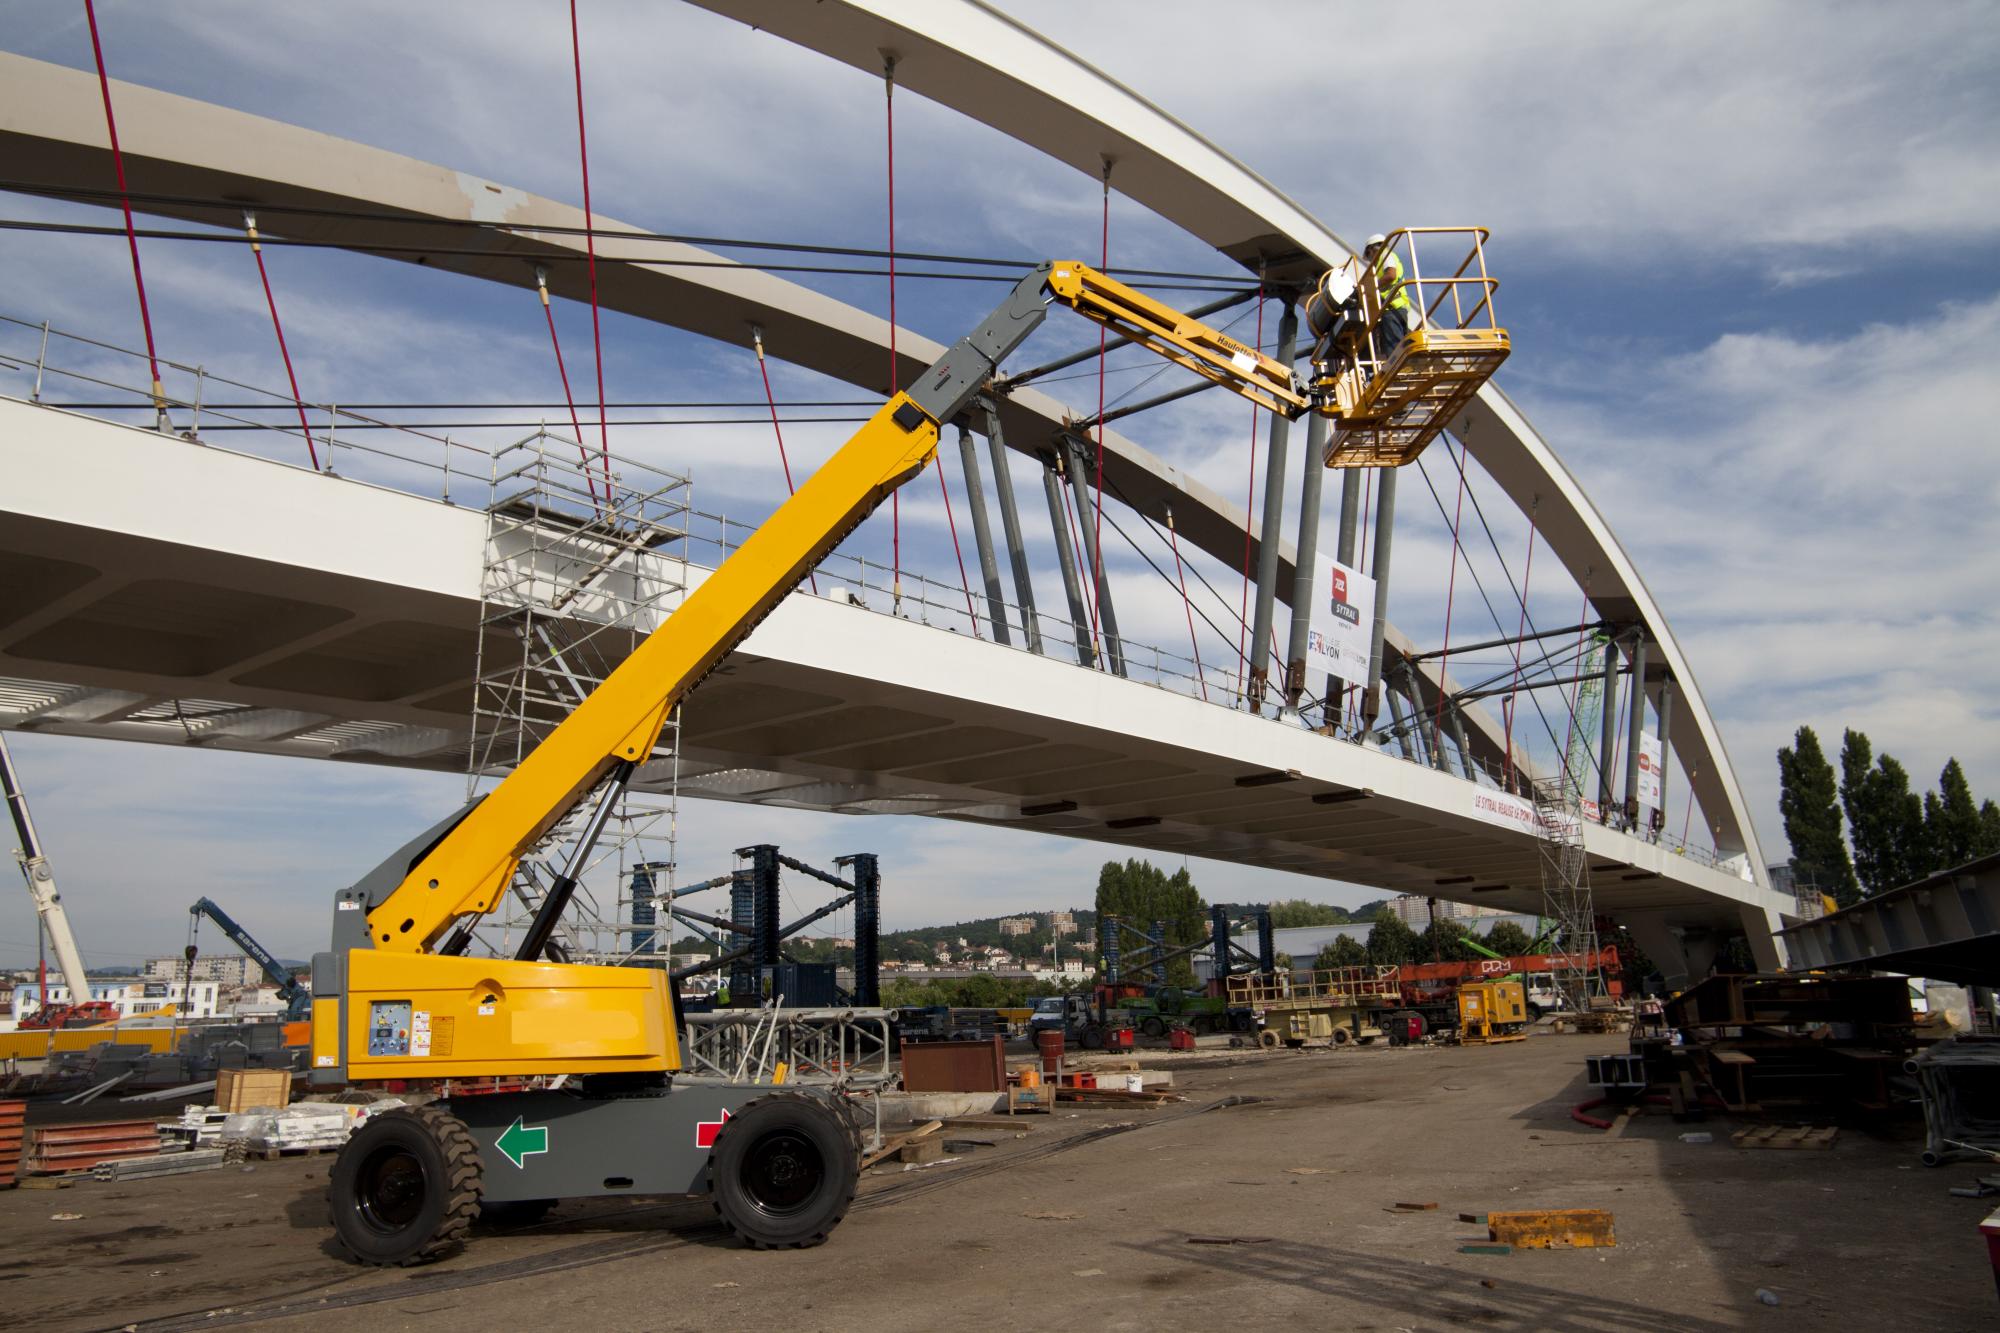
1552,1228
163,1164
1778,1136
60,1149
897,1142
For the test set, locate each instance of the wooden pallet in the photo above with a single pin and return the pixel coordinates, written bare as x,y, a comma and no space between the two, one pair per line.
1785,1136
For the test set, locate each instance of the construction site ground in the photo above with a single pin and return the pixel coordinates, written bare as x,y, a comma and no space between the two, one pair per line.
1271,1195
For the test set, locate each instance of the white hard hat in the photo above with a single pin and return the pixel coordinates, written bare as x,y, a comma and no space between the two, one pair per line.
1377,239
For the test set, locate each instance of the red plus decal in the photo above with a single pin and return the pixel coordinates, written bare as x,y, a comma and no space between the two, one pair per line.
706,1130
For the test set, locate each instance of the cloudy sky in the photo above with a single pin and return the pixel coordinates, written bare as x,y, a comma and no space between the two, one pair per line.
1750,268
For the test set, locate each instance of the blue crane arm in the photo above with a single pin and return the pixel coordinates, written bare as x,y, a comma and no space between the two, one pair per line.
296,997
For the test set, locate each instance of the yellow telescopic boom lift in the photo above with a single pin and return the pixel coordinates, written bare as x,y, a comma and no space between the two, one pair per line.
397,996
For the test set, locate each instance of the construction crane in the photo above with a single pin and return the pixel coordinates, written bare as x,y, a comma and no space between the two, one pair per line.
297,998
81,1010
398,997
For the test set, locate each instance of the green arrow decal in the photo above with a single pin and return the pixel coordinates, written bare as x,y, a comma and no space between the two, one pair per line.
518,1141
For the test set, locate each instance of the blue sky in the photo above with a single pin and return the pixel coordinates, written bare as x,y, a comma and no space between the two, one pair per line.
1749,262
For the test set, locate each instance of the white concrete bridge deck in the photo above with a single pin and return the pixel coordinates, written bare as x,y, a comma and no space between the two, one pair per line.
157,589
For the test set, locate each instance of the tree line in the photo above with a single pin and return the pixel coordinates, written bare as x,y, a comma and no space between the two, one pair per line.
1867,831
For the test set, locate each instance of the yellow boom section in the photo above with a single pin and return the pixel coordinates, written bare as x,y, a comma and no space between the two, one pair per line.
468,870
1183,339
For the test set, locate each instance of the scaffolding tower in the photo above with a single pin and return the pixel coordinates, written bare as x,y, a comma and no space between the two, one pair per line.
1566,899
584,557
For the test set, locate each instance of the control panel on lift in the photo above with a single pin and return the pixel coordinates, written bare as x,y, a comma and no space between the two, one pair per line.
389,1027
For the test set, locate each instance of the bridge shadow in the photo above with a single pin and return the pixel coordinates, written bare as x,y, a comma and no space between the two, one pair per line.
1400,1291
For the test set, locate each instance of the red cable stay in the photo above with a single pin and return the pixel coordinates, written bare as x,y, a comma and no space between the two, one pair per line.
1186,605
590,249
757,338
1249,518
125,200
250,226
583,456
1514,684
1450,594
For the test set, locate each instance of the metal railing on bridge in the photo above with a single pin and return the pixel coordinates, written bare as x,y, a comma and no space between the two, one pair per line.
419,460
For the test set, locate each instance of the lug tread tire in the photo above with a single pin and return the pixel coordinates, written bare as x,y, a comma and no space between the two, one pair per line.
847,1133
462,1175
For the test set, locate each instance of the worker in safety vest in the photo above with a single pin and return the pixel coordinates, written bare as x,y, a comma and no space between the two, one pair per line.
1388,269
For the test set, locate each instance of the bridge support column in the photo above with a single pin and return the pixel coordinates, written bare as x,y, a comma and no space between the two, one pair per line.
1666,742
1636,691
1350,513
1306,572
1010,528
1107,617
1607,697
1385,527
1457,716
1404,728
1079,617
1273,529
982,536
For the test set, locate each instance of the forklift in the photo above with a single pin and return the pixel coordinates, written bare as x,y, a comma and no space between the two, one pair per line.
587,1054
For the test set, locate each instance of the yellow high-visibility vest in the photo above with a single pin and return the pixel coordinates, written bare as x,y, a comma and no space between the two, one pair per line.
1389,280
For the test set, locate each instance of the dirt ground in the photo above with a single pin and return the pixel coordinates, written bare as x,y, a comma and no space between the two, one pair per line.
1279,1207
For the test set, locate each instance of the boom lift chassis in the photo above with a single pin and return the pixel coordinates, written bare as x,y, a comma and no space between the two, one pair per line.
397,997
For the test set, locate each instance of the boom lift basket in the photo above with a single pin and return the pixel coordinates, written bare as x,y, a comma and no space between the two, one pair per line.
1390,402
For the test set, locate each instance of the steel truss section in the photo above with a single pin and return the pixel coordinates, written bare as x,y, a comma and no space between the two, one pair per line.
842,1049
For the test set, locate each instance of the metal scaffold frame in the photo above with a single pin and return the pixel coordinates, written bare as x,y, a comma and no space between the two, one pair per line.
1566,897
583,558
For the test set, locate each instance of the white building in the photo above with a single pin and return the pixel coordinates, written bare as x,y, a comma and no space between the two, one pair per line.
1062,923
1016,925
130,996
225,969
1414,911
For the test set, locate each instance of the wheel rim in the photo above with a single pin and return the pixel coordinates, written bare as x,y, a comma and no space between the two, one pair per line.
782,1173
390,1189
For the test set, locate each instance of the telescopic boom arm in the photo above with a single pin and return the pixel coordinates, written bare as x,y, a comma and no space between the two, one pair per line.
463,871
41,879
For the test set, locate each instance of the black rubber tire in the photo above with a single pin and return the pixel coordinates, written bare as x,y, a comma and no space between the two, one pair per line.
1242,1021
783,1172
1535,1012
1153,1027
1269,1039
405,1188
1093,1038
1341,1036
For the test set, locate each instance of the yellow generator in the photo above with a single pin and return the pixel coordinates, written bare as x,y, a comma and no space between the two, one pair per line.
1490,1011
